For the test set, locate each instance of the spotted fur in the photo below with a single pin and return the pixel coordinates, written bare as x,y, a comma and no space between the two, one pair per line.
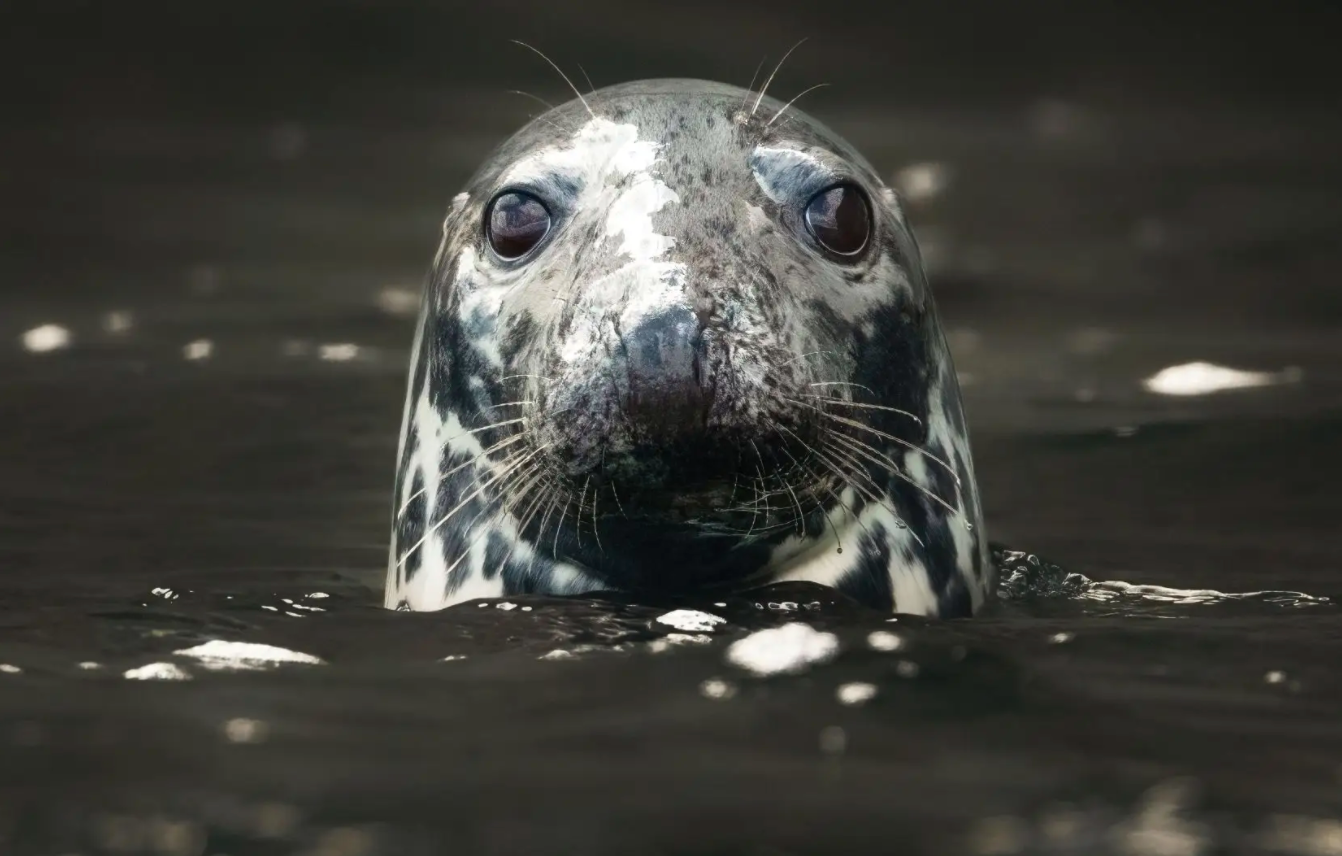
520,455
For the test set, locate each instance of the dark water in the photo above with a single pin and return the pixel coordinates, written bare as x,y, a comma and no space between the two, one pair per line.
257,187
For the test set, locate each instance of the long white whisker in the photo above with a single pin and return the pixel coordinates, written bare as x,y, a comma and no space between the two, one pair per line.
751,86
507,441
561,74
874,456
468,498
793,101
770,79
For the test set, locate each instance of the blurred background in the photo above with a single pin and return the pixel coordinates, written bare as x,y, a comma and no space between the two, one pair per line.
215,219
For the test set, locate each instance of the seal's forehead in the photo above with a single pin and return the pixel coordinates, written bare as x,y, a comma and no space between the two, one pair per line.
622,128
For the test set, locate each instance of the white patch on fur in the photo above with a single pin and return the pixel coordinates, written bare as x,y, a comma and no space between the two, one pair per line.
784,158
953,446
805,559
630,218
596,149
756,220
640,289
483,299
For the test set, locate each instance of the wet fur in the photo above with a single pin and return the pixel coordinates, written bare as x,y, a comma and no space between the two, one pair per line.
675,197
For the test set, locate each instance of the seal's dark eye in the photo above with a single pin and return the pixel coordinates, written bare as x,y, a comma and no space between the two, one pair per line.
839,219
516,223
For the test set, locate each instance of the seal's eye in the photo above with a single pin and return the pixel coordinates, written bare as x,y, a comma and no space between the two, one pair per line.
839,219
516,223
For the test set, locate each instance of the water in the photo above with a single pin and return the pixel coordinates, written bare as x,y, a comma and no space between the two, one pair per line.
199,438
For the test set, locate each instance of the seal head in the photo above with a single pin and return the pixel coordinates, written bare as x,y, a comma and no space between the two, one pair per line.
677,338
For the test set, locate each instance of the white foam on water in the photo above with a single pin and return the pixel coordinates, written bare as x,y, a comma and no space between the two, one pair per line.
716,688
339,352
201,349
1203,378
790,649
1112,589
48,337
158,672
855,693
884,640
670,640
220,655
691,620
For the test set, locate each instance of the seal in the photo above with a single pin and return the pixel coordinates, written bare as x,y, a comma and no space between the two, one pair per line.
677,340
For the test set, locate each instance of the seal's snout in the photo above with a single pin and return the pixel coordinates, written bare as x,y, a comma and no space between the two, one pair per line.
666,394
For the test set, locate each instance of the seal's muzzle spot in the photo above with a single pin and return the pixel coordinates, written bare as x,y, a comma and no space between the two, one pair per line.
671,344
668,394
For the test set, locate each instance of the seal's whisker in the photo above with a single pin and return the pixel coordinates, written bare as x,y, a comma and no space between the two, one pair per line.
618,504
770,79
816,480
547,104
804,356
750,87
873,492
862,405
462,504
845,383
487,530
596,532
577,520
793,101
561,74
554,548
800,513
507,441
845,478
912,447
755,486
523,523
545,519
880,459
488,427
590,88
882,499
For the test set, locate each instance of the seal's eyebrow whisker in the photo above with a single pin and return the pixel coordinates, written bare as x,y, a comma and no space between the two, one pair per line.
547,104
770,79
793,101
561,74
591,89
750,87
